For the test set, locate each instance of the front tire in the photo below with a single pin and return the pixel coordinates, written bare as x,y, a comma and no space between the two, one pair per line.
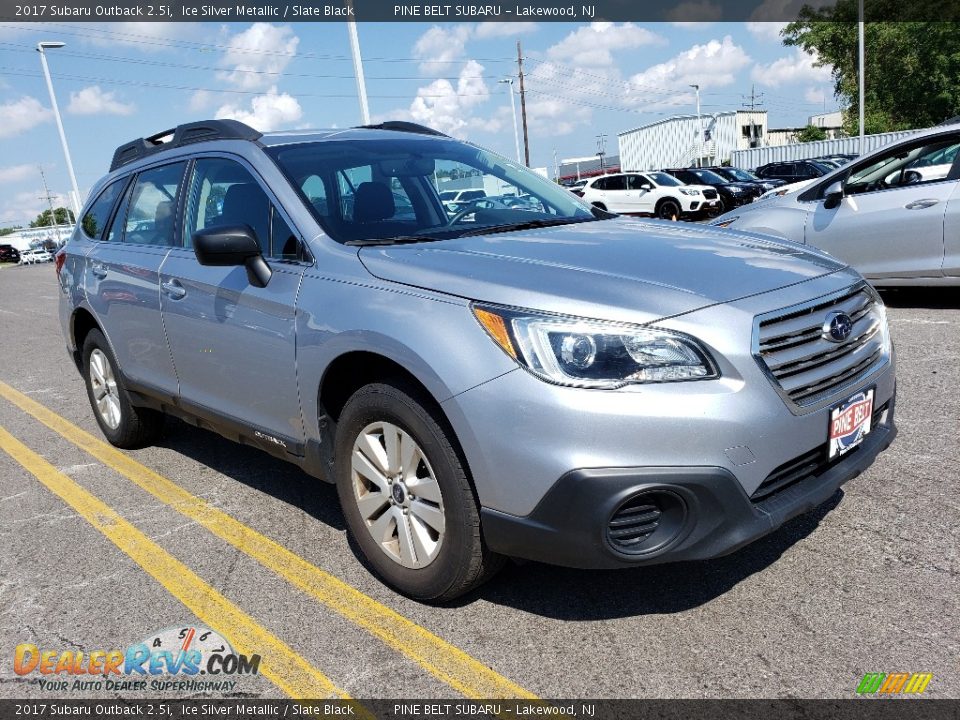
669,209
122,423
405,495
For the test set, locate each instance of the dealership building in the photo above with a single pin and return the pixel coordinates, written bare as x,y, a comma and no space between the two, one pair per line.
675,142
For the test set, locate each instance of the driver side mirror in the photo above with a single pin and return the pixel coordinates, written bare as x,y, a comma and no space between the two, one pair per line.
230,245
833,195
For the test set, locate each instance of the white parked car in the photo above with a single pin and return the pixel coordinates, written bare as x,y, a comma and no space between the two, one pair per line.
30,257
893,214
649,193
454,200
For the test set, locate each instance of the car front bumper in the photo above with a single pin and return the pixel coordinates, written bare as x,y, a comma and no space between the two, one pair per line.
569,526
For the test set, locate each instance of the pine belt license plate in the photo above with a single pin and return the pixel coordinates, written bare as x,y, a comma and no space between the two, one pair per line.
850,422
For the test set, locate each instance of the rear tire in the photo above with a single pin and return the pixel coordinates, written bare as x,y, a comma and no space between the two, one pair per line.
406,497
122,423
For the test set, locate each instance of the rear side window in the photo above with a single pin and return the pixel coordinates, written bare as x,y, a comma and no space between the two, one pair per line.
151,215
95,219
616,182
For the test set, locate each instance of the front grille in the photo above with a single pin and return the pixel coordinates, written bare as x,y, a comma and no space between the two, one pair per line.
710,194
633,522
806,366
809,464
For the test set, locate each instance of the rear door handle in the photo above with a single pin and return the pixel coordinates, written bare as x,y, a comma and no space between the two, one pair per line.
99,270
173,289
920,204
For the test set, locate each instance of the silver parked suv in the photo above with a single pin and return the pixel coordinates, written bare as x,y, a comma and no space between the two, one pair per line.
555,384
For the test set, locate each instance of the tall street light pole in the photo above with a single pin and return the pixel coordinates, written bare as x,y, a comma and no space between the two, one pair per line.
699,128
513,109
358,68
41,47
860,68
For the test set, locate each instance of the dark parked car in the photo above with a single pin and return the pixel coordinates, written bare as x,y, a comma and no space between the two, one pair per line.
8,253
745,176
732,194
793,171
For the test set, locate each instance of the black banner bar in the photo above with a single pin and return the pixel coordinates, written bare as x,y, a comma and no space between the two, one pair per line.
441,11
854,709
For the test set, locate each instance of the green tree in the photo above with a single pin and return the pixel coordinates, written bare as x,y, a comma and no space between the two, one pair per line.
911,67
811,133
62,216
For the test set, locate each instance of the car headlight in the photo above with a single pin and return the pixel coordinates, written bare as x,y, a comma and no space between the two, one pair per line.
592,353
725,223
689,191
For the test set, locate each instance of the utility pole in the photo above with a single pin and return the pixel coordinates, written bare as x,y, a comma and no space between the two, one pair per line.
49,198
523,108
699,128
754,99
601,148
513,111
42,47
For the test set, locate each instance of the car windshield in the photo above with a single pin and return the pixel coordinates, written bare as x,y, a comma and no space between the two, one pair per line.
663,179
393,190
738,174
708,177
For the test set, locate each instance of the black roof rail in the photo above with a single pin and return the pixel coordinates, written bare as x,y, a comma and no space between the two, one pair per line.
183,135
404,126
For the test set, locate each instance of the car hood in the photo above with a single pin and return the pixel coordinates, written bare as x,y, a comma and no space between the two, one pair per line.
621,269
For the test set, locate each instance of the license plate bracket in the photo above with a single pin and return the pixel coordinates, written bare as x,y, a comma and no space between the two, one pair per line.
850,422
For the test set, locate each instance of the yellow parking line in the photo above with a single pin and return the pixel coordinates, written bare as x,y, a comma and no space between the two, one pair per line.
287,670
444,661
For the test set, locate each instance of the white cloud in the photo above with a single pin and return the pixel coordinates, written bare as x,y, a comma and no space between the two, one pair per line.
591,45
800,67
271,111
440,47
16,173
487,30
23,207
713,64
201,100
95,101
814,95
21,115
258,55
766,31
444,107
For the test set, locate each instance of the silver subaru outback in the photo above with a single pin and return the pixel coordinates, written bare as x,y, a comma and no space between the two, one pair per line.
517,376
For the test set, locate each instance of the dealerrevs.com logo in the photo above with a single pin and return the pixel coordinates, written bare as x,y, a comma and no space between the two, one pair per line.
894,683
171,659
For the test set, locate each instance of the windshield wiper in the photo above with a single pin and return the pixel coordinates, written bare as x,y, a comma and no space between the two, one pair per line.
527,225
397,240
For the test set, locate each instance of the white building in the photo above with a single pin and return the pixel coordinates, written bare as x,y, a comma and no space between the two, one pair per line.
27,238
675,142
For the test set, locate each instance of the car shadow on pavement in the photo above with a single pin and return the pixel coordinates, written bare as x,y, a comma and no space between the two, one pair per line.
936,298
566,594
256,469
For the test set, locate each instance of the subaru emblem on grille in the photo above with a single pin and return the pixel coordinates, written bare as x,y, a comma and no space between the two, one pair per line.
837,327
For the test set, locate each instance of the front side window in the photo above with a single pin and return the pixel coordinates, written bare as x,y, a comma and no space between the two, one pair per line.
223,192
423,187
151,214
924,162
95,219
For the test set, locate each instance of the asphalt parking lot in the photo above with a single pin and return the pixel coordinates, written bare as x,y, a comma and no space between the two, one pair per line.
867,583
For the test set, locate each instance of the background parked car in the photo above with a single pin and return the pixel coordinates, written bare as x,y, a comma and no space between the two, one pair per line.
739,175
456,200
30,257
793,170
731,194
8,253
878,213
653,193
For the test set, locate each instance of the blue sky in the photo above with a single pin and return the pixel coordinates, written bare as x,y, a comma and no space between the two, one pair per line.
115,82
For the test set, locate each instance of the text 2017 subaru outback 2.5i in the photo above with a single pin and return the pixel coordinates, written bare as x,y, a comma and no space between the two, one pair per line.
560,385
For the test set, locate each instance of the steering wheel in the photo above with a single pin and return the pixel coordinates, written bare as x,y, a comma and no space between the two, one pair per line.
460,215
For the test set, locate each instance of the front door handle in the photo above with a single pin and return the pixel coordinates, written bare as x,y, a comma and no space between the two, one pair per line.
174,290
920,204
99,271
